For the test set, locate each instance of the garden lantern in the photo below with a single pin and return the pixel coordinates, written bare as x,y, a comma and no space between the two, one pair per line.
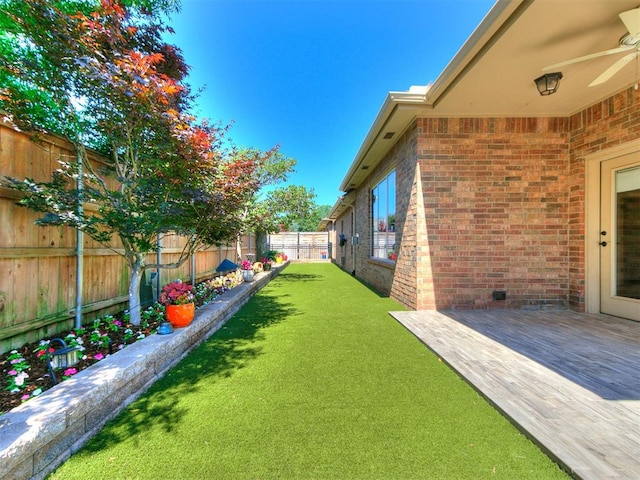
226,266
165,328
64,357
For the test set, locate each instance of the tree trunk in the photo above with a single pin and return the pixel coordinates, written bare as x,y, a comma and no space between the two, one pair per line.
137,267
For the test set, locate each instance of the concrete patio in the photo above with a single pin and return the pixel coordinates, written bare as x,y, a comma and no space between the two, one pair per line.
569,381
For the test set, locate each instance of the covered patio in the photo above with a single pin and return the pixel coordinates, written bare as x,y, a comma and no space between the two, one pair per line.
570,381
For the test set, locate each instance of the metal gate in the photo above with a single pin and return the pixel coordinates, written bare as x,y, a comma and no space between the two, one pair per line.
303,246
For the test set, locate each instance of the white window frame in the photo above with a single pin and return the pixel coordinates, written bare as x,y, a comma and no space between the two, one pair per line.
382,218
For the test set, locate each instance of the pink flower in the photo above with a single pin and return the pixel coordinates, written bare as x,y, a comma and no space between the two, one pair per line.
25,397
19,380
98,356
70,371
12,372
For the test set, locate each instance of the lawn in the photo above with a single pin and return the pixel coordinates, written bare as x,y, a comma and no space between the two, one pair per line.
311,379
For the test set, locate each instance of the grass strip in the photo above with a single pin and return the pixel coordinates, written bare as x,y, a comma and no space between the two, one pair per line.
311,379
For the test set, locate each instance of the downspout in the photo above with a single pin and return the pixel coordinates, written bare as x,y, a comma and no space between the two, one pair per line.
353,245
79,249
331,246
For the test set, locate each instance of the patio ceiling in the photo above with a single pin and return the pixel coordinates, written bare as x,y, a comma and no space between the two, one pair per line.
493,73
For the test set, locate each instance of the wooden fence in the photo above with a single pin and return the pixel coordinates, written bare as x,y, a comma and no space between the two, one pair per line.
303,246
38,264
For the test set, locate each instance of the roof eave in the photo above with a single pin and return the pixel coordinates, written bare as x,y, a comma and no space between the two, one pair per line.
414,97
427,98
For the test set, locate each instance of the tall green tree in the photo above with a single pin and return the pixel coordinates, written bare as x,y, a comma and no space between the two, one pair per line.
99,75
310,222
288,206
274,206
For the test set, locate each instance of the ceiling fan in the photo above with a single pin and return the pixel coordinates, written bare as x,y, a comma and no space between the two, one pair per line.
629,41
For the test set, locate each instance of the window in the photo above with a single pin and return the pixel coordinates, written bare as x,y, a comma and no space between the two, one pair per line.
383,218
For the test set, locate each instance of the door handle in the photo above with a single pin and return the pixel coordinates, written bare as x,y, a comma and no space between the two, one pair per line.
603,244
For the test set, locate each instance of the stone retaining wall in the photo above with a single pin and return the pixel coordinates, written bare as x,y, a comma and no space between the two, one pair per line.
42,433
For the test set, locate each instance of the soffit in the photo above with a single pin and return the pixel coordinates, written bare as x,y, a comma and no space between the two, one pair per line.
339,208
499,80
493,73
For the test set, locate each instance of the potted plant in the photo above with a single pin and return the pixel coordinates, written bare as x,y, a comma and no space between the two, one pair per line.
281,257
179,302
266,264
247,270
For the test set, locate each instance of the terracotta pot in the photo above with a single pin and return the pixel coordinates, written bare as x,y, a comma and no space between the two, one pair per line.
180,315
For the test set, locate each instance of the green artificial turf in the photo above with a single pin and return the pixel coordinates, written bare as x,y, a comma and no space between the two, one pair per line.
312,379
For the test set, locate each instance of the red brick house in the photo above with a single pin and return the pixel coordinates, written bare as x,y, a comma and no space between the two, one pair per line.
479,192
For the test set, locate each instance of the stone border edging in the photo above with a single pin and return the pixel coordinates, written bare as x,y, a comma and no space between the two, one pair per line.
39,435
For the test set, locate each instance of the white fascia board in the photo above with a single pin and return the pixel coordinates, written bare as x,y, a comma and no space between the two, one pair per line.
415,96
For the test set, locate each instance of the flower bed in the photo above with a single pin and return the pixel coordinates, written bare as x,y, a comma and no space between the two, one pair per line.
40,434
24,374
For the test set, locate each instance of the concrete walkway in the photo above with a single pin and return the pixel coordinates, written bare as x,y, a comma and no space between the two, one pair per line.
570,381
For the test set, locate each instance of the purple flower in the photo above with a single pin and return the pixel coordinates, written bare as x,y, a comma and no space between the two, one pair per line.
12,372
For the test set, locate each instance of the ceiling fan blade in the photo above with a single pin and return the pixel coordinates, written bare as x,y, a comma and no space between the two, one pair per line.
613,69
622,48
631,20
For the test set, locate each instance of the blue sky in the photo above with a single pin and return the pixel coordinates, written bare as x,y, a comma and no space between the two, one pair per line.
311,75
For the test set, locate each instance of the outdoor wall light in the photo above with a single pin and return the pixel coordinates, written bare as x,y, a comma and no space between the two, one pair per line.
64,357
548,83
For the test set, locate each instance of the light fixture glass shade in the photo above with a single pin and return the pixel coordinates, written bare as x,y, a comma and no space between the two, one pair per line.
64,357
548,83
61,358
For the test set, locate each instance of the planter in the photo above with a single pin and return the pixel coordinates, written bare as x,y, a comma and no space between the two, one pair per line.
180,315
248,275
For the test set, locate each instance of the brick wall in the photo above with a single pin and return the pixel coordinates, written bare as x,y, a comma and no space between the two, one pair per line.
496,208
487,204
344,253
482,205
383,275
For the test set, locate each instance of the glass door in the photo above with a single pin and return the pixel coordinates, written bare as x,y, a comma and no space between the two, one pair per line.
620,237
